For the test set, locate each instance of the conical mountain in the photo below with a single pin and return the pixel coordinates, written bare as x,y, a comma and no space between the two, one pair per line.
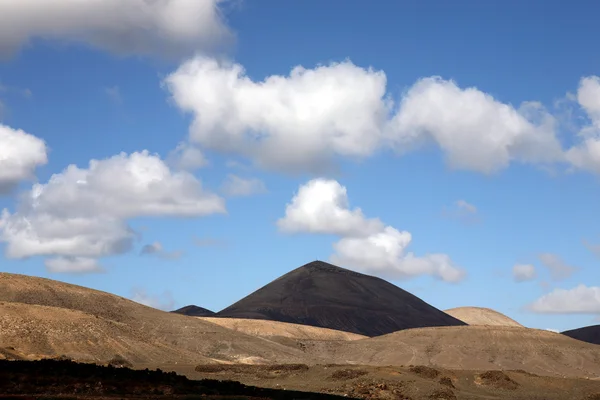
324,295
194,311
590,334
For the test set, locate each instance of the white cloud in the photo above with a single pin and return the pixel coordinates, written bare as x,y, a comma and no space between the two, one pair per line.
160,27
238,186
187,157
586,155
114,94
163,302
465,206
321,206
523,272
157,249
84,212
559,270
76,265
384,254
295,123
20,154
303,121
578,300
474,130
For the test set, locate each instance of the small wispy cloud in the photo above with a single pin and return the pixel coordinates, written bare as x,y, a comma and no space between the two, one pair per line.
114,94
462,211
559,269
156,249
207,242
237,186
164,301
523,272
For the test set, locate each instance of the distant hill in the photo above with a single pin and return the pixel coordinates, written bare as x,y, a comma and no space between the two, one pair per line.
194,311
590,334
478,348
481,316
43,318
276,329
324,295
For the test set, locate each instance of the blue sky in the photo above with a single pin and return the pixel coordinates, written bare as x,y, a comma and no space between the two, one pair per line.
450,148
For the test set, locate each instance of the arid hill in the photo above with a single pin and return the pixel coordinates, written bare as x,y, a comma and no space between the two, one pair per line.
271,329
590,334
194,311
477,348
323,295
481,316
42,317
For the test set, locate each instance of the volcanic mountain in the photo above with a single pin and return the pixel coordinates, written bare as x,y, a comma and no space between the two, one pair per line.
324,295
194,311
481,316
590,334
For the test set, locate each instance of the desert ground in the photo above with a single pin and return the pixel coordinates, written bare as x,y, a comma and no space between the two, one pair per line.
486,355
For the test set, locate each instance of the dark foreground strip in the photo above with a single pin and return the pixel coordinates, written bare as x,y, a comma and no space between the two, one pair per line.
53,379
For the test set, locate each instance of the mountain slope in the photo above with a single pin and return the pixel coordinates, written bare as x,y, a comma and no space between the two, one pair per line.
323,295
476,348
481,316
42,317
194,311
590,334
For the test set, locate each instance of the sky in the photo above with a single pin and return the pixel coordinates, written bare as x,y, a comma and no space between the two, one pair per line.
181,152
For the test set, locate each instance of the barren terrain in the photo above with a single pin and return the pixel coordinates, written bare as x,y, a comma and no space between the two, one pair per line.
273,329
481,316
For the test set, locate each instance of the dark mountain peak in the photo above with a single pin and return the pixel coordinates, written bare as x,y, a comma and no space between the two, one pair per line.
194,311
590,334
325,295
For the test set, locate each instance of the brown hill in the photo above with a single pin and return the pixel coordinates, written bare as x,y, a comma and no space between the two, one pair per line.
481,316
589,334
49,318
477,348
270,329
194,311
323,295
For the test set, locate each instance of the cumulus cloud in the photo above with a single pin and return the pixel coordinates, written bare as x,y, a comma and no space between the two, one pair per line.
76,265
169,28
463,211
523,272
586,154
237,186
20,154
83,212
581,299
187,157
157,249
294,122
558,268
163,301
474,130
321,206
303,121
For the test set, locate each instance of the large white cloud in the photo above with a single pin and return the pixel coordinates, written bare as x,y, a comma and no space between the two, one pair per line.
474,130
304,120
294,122
321,206
581,299
84,212
20,154
164,27
79,265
